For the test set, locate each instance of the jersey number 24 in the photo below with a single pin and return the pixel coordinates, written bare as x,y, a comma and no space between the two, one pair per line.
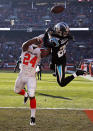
27,59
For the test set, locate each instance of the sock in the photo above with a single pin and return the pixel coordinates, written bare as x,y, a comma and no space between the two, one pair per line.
32,103
33,112
23,92
33,107
74,75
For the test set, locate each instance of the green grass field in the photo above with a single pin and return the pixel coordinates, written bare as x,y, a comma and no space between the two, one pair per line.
76,95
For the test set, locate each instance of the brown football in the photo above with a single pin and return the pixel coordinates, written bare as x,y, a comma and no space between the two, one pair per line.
57,9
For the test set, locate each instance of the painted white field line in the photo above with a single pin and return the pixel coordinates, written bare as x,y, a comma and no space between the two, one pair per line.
47,108
8,77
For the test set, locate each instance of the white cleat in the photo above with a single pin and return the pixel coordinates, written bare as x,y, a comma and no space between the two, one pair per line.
32,124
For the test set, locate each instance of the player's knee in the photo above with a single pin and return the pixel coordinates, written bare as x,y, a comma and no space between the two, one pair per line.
31,94
31,97
16,91
62,83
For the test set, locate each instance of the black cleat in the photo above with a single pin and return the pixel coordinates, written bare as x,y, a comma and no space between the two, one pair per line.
32,121
25,99
54,74
80,72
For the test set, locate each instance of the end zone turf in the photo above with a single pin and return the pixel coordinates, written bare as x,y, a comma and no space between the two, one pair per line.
46,120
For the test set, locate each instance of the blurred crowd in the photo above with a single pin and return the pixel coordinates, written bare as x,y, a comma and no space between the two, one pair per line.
11,42
25,14
22,14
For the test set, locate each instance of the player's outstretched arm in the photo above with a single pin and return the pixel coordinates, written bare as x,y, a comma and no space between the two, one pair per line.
26,44
46,41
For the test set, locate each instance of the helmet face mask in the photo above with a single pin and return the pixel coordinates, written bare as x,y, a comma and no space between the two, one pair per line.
66,33
61,29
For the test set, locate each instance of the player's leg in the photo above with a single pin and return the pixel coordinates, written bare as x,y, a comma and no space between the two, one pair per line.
20,88
61,79
53,67
40,74
33,110
31,87
60,72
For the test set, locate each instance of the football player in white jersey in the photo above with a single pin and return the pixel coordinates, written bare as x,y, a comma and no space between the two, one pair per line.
31,55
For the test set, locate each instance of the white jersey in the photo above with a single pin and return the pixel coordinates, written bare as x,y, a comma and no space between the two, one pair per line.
29,60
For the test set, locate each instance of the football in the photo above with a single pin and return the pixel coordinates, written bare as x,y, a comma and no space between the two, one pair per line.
57,9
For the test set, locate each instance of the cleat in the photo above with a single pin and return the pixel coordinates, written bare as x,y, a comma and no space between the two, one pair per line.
25,99
32,122
80,72
54,74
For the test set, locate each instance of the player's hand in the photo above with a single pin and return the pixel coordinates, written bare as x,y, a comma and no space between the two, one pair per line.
49,30
70,37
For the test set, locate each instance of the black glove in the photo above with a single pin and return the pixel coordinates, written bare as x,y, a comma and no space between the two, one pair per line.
70,37
49,30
